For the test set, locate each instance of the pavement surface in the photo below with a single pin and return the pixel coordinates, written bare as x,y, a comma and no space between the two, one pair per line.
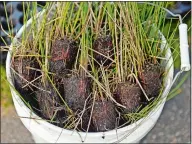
12,129
173,125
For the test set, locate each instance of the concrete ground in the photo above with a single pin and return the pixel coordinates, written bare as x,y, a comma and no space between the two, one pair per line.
12,129
173,125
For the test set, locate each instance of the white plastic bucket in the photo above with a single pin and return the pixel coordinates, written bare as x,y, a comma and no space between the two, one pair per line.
45,132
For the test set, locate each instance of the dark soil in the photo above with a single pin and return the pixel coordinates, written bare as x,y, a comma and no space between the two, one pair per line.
84,123
76,90
58,81
105,47
104,116
50,103
150,79
129,94
63,55
21,66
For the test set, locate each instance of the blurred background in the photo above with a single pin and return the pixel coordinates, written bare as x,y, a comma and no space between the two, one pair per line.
173,125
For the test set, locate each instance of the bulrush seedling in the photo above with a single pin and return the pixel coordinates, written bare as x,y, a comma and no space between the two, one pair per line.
104,109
